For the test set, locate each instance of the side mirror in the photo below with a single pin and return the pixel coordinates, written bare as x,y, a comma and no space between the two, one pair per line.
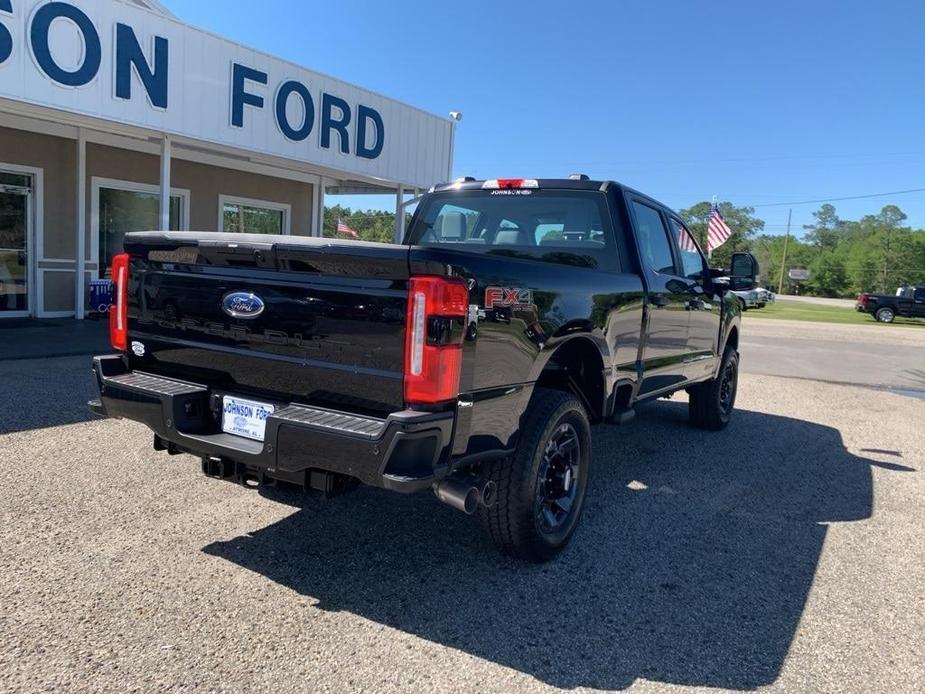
743,273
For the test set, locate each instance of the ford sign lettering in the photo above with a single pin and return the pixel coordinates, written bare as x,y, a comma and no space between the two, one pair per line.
242,305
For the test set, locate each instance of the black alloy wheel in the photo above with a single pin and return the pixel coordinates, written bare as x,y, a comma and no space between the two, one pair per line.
541,487
558,479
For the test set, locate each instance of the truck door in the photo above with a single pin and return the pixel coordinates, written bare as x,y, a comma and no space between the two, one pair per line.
666,341
703,303
918,302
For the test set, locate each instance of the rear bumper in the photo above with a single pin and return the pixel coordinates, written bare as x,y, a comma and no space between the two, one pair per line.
406,452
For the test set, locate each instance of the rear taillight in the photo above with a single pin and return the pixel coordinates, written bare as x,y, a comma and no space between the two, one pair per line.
437,308
863,299
118,312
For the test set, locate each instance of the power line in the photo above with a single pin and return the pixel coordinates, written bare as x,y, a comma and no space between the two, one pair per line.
847,197
734,160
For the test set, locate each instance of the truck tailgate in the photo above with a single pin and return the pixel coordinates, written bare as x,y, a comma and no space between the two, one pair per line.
330,331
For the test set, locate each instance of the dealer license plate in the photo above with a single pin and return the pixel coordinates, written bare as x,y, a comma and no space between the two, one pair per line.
246,418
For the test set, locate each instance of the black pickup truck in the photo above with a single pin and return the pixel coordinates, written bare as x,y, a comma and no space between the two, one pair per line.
472,359
908,302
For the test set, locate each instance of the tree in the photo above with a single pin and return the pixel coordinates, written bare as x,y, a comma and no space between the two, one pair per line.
827,276
741,221
888,220
906,264
827,229
370,225
769,251
891,217
862,269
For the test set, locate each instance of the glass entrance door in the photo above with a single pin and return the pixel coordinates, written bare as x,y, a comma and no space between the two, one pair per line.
15,195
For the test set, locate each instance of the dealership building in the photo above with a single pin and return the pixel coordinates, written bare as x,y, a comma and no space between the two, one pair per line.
115,117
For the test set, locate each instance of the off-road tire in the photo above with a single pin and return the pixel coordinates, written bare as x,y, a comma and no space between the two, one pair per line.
515,522
709,405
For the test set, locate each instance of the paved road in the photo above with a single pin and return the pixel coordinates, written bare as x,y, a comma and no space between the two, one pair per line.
786,551
876,355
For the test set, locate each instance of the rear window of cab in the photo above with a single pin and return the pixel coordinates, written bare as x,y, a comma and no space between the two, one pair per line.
566,227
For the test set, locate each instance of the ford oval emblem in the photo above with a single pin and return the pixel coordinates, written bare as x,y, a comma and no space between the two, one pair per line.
242,305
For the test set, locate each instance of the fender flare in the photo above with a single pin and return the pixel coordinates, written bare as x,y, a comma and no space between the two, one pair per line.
596,344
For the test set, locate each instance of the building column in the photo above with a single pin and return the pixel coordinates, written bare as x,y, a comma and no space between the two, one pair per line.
80,251
318,212
165,183
399,214
317,221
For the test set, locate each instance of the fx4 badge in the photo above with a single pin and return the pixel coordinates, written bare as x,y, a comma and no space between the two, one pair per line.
515,297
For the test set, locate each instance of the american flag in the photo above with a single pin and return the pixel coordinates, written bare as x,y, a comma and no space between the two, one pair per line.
343,229
685,240
717,231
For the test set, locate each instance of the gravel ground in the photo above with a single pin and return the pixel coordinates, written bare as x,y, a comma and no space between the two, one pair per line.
785,551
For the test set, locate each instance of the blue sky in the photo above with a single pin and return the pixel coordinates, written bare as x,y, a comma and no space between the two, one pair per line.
756,103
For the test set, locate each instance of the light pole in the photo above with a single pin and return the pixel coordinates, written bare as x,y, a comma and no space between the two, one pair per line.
456,116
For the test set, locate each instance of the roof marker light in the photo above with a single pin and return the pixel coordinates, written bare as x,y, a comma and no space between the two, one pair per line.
510,183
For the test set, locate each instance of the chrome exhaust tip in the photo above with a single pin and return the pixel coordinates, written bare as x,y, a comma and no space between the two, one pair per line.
466,493
459,494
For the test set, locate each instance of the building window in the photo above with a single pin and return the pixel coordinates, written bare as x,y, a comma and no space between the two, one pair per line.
13,179
242,215
121,206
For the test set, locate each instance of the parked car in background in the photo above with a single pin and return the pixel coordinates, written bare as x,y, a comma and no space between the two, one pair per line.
754,298
908,302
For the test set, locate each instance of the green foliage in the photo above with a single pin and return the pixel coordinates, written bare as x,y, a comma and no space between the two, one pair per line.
371,225
828,276
826,231
741,221
862,272
844,258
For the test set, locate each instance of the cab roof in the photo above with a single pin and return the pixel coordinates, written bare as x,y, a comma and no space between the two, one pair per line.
469,183
574,182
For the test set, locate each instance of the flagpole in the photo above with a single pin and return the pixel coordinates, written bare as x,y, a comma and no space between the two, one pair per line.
709,245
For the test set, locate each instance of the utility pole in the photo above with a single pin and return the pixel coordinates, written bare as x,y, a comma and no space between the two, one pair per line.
783,260
886,260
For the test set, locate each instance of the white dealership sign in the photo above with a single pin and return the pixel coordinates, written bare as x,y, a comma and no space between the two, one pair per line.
110,60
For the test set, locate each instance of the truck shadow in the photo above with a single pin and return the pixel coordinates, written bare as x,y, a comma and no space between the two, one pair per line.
692,566
42,393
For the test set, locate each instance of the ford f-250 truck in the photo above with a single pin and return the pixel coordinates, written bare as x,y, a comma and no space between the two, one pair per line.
472,359
908,302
